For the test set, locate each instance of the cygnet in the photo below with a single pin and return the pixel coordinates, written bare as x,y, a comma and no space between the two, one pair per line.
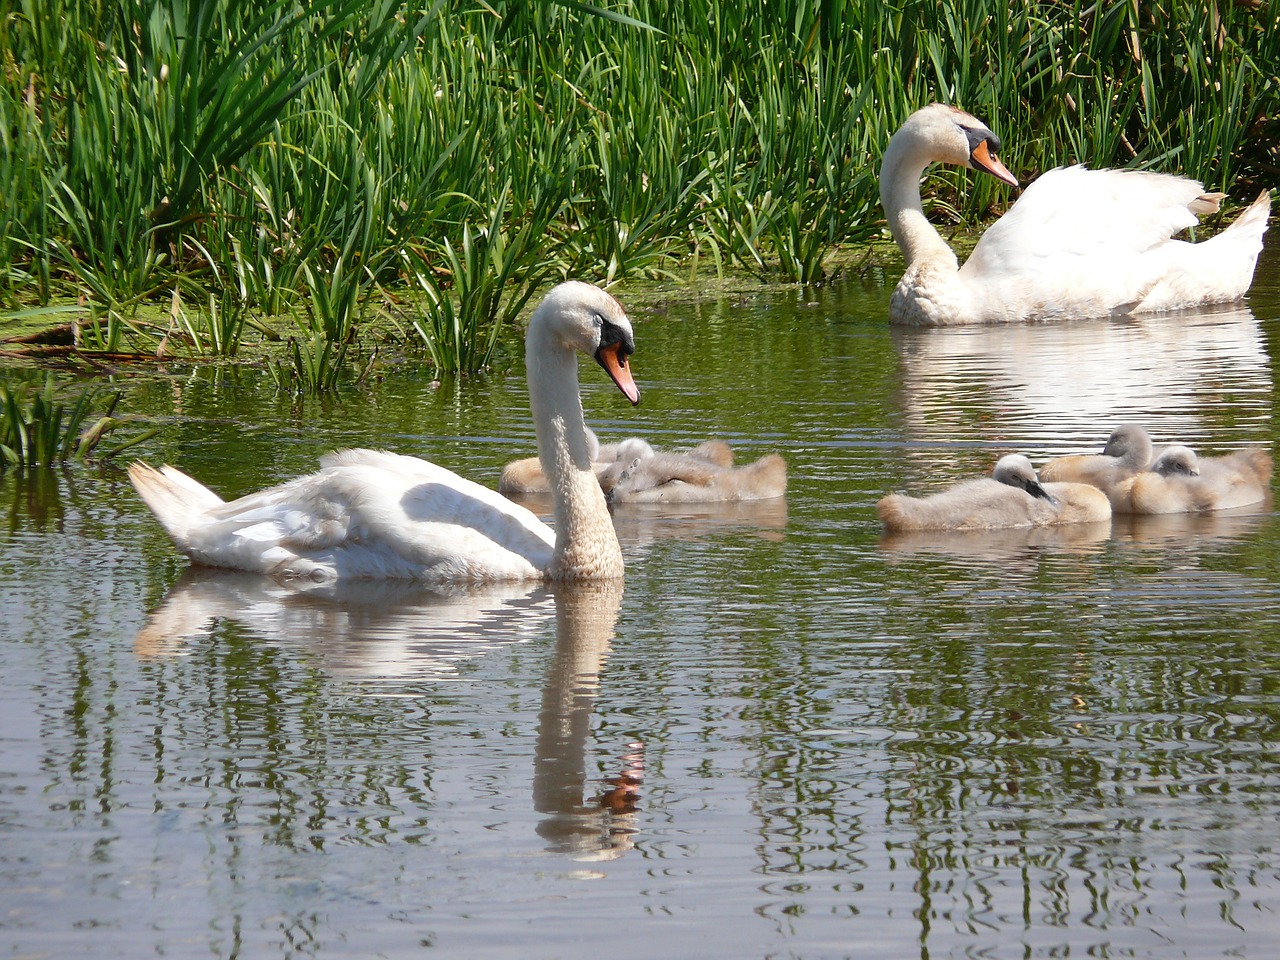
1011,497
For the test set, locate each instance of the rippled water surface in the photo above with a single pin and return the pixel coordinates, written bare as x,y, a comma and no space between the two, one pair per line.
786,737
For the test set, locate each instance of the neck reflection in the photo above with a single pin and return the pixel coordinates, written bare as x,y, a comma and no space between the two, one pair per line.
393,636
584,823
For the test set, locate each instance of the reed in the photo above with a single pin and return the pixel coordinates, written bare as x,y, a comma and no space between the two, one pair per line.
39,428
271,157
313,365
216,329
472,292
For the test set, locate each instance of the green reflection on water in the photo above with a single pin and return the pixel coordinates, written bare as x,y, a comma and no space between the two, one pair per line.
1049,743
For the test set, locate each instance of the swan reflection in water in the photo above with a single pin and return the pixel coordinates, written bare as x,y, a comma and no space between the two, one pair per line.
585,826
380,630
1010,544
1224,526
1056,388
1191,530
366,629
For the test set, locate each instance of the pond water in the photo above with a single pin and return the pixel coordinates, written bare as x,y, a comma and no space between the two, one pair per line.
785,737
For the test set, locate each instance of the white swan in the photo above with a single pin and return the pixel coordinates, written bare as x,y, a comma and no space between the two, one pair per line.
373,514
1078,243
1011,497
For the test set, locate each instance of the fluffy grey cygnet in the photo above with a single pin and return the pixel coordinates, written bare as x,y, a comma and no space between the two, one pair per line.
1012,496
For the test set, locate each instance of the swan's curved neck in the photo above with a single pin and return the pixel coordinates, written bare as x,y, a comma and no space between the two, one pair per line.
903,165
586,545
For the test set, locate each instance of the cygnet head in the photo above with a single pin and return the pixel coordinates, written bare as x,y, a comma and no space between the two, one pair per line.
1131,443
943,134
583,317
634,448
1015,470
1177,460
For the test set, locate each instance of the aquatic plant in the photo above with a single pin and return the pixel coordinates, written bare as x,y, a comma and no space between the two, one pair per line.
491,275
312,365
214,330
308,154
41,429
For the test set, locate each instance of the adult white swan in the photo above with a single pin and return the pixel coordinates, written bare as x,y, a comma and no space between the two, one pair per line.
1078,243
373,514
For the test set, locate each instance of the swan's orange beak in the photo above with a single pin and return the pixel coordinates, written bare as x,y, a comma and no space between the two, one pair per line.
983,159
615,364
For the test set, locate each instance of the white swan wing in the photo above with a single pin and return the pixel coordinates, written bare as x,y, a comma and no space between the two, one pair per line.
1074,211
1090,242
372,514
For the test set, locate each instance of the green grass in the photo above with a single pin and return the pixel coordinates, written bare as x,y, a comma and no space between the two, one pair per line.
328,159
39,428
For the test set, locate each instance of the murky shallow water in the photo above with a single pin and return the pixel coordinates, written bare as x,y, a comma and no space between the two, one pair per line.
784,738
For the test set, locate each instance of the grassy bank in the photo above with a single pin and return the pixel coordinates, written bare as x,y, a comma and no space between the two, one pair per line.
430,167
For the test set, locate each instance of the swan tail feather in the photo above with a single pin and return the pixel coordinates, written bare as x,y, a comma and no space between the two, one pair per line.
1217,270
1256,461
523,476
1236,248
1244,234
1255,217
176,499
903,514
714,451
